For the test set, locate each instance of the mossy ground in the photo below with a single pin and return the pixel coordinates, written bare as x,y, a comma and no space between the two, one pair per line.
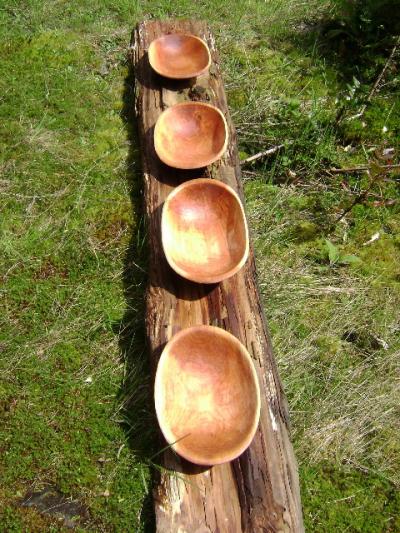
73,401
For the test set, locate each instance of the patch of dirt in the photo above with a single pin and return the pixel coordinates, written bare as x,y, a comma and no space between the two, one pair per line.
112,232
363,340
49,270
51,501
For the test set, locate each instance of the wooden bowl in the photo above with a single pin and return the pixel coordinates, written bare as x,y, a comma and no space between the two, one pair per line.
190,135
179,56
207,395
204,231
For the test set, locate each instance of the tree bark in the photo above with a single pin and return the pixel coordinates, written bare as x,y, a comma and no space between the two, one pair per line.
259,491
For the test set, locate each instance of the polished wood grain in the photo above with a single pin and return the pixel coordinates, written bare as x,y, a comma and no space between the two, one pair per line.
259,491
204,231
207,395
179,56
190,135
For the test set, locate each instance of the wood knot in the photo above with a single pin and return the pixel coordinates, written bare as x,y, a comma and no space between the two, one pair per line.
198,93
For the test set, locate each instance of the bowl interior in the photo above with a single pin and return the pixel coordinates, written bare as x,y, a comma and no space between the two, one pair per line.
179,56
190,135
207,395
204,231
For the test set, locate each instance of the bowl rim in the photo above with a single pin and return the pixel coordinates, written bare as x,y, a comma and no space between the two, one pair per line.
168,434
207,162
182,272
196,73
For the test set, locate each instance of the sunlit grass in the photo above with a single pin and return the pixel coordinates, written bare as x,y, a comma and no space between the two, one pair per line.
75,408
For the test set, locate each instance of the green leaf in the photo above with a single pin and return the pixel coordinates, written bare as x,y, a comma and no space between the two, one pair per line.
333,252
348,259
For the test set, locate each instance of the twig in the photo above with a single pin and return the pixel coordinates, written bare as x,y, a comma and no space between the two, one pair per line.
270,151
120,450
356,201
247,175
365,469
379,79
361,168
251,173
360,198
328,290
347,497
377,82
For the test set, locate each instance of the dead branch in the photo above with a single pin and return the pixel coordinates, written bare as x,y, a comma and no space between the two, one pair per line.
361,168
377,82
270,151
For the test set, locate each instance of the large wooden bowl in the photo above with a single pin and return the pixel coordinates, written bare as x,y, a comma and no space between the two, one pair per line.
207,395
190,135
204,231
179,56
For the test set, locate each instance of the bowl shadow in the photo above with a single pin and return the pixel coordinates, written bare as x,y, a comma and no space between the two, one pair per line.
137,414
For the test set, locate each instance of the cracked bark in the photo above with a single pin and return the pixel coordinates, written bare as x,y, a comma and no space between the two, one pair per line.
259,491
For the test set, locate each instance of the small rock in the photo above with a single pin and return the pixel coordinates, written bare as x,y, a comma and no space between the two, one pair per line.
104,69
51,501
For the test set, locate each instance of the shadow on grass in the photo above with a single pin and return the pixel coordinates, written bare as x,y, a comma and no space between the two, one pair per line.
139,421
353,49
355,40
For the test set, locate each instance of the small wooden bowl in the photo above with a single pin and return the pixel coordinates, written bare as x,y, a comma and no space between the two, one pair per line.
190,135
207,395
179,56
204,231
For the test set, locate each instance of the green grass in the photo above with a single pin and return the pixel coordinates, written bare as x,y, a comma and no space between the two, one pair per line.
74,405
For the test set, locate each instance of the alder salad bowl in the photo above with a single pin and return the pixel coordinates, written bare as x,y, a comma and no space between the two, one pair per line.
204,231
207,395
179,56
190,135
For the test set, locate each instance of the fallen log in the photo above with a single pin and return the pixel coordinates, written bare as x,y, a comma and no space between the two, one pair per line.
259,491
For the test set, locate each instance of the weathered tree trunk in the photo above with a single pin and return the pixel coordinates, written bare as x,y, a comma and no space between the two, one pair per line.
259,491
